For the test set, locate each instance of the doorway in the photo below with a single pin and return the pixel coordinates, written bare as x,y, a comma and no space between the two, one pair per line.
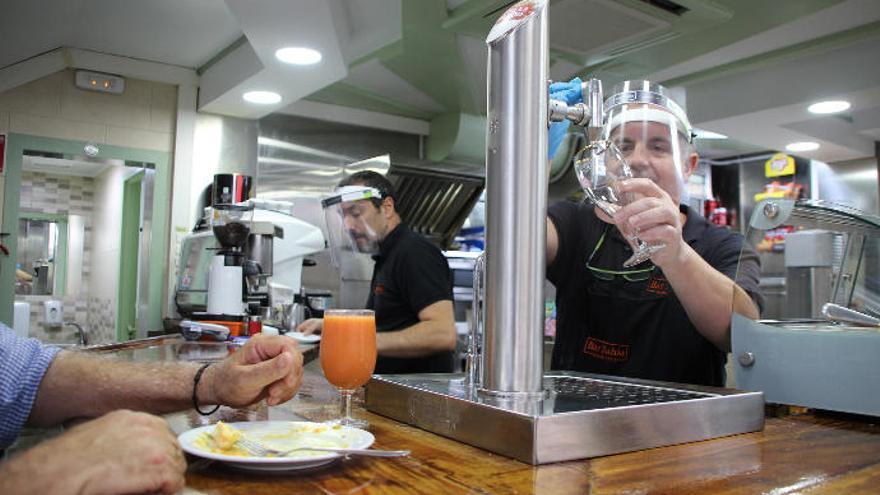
119,277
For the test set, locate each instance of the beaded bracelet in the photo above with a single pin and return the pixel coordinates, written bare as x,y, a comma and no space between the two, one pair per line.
195,400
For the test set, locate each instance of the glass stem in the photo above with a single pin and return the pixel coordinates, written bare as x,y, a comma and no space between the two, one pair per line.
346,404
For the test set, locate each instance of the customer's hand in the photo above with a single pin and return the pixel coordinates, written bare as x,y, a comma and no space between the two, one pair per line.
120,452
266,367
310,326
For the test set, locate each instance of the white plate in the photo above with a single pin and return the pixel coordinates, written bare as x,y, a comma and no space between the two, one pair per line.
281,435
303,338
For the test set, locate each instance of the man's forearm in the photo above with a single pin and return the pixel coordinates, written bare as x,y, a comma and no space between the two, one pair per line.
708,298
422,339
78,385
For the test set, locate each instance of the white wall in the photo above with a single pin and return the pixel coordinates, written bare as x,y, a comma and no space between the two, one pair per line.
853,183
106,246
142,117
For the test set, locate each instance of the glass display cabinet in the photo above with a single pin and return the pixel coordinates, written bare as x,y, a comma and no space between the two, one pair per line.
821,348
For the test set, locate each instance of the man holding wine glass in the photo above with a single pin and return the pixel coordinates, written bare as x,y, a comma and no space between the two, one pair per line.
667,317
411,288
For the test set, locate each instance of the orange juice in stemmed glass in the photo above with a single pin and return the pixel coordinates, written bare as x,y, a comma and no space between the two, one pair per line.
348,354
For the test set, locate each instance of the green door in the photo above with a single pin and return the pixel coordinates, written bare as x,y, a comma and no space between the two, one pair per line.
126,321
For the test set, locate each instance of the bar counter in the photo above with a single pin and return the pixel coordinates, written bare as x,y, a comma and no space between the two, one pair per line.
807,453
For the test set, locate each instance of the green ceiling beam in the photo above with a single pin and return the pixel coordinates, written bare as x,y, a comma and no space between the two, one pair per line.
811,47
351,96
475,17
749,17
429,58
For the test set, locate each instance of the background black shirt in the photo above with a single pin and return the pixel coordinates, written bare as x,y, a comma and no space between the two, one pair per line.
410,275
635,328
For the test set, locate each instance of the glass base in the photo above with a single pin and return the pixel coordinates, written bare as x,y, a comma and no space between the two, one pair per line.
642,254
350,422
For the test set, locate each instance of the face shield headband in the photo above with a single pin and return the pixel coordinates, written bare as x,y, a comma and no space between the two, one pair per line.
346,214
652,133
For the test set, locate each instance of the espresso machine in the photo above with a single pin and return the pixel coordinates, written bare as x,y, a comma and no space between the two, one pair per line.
230,221
244,258
504,402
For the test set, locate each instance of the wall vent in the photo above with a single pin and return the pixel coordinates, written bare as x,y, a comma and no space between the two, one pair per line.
639,45
668,6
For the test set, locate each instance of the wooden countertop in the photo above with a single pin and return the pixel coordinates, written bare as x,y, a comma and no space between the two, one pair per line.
808,454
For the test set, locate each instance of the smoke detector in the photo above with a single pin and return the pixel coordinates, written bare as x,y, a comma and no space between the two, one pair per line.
103,83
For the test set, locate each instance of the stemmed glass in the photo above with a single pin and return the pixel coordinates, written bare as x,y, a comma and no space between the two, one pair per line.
600,168
348,355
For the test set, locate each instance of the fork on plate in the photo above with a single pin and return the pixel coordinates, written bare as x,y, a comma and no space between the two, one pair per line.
255,448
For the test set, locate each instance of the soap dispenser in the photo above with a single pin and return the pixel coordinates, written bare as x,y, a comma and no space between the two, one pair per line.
54,312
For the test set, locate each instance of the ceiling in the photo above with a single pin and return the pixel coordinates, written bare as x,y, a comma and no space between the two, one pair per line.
748,68
78,166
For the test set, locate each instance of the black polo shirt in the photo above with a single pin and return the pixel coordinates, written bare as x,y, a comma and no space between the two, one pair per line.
410,275
635,326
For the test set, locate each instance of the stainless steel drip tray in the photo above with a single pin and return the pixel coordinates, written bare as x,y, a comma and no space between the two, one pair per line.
582,415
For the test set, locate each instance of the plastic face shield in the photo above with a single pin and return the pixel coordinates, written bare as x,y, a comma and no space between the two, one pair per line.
347,215
652,132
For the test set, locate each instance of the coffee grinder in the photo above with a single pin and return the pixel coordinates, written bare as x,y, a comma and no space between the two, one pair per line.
230,221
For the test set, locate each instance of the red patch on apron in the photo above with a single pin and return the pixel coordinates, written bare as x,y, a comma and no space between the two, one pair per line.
606,351
658,285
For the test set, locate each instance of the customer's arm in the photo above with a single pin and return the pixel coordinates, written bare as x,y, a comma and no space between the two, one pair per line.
121,452
435,332
81,385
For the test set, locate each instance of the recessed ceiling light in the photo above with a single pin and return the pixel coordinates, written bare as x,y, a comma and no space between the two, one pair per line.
704,134
830,106
802,146
262,97
298,55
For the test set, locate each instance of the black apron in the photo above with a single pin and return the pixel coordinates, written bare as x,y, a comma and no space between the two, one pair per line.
633,324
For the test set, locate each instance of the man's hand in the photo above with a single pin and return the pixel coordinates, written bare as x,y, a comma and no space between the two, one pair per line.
654,218
310,326
120,452
267,367
570,92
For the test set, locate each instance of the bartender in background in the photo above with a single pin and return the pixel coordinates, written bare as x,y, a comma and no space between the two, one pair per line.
411,289
667,318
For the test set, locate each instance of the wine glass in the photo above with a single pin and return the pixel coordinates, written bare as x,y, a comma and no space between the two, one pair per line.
600,168
348,355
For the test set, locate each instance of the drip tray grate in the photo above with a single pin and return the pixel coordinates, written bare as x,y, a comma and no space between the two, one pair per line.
580,394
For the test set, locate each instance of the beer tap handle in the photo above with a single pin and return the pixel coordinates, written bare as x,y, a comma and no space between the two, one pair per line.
578,114
588,114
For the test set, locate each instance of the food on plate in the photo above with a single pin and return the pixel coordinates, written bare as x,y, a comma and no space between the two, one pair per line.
223,438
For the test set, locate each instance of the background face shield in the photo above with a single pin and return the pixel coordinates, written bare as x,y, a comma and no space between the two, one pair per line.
652,133
347,216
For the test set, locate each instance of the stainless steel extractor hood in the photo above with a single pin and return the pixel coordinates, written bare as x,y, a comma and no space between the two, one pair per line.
435,202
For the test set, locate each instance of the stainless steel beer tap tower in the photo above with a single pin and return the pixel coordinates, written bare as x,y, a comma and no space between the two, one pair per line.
516,199
504,403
